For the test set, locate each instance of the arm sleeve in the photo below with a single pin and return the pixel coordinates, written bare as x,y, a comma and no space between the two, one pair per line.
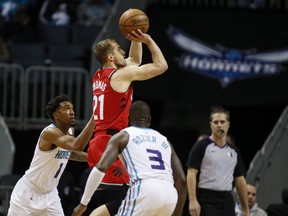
92,184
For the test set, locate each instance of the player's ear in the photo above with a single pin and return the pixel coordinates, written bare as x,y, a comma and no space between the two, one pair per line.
110,57
55,115
150,119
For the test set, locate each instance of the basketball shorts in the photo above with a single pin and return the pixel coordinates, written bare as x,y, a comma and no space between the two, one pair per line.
149,197
26,201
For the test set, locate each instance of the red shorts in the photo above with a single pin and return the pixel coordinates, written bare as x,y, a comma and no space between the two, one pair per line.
116,173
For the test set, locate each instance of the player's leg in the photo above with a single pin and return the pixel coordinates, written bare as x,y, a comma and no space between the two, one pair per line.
114,199
23,200
169,198
53,202
100,211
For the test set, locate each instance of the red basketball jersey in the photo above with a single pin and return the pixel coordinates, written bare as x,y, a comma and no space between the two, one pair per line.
110,108
111,111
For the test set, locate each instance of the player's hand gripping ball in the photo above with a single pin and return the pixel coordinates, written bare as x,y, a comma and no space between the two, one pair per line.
132,20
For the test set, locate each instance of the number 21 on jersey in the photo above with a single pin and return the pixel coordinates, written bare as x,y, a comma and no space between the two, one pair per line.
98,107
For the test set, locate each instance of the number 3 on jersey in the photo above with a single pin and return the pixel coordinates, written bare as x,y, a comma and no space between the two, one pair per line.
156,158
98,107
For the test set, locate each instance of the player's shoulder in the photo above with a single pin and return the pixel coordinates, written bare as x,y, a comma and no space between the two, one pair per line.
103,73
132,129
51,131
139,130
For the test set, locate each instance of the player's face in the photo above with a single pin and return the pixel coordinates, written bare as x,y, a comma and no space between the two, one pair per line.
66,113
119,56
219,124
252,195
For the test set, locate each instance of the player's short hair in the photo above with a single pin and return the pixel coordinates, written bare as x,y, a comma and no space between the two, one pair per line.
54,103
103,48
139,111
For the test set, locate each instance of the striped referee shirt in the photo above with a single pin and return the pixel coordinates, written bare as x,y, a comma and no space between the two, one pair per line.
217,165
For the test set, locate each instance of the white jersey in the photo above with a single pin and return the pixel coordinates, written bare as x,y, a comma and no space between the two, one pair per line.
47,167
147,155
148,162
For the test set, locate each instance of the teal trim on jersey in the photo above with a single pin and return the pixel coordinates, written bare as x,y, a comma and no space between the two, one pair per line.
132,194
135,200
70,131
52,125
130,161
136,180
142,128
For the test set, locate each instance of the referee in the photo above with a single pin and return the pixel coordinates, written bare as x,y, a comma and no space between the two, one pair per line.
213,166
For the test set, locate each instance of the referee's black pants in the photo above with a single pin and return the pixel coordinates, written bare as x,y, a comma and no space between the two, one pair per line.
216,203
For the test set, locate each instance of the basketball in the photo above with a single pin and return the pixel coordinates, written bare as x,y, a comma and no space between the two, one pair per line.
132,20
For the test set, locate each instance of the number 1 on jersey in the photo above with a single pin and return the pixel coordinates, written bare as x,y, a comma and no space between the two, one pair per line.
58,171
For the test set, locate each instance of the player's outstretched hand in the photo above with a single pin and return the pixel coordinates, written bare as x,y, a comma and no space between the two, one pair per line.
138,36
79,210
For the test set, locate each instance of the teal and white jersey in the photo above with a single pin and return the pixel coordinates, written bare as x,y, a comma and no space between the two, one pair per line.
147,155
47,167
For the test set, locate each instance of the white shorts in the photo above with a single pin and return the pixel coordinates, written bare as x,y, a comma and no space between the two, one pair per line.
27,201
149,197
